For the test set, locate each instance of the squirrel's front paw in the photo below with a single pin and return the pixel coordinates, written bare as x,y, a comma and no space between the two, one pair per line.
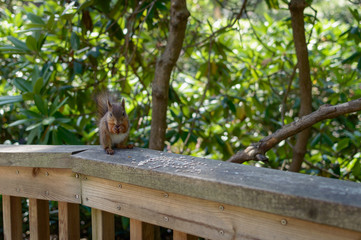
109,151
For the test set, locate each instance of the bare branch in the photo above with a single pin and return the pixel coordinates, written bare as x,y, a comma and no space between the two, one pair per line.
257,150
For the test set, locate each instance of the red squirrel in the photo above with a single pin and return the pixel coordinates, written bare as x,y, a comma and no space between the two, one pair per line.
113,123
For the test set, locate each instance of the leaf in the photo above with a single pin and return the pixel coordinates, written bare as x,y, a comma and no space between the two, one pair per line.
28,96
10,99
74,41
11,49
68,137
35,19
342,144
231,106
55,138
40,104
22,85
114,29
85,5
56,106
33,133
356,170
31,113
40,41
17,43
316,140
31,43
273,4
31,127
38,85
78,68
48,121
355,14
352,58
19,122
35,75
104,5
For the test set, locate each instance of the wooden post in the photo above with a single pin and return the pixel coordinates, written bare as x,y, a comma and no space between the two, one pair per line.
39,219
12,217
69,221
102,225
183,236
140,230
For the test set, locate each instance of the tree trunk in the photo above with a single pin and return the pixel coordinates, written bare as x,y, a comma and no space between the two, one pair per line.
297,18
160,88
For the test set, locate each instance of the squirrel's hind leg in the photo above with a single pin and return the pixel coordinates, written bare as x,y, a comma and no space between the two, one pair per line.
124,146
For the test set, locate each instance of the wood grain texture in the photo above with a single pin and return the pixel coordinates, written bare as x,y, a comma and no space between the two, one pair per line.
102,225
12,217
39,219
69,221
40,155
199,217
140,230
322,200
40,183
183,236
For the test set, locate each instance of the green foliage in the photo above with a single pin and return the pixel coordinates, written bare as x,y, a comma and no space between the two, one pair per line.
233,85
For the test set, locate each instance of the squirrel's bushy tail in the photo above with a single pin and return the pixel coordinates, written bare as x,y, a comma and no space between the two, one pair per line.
101,99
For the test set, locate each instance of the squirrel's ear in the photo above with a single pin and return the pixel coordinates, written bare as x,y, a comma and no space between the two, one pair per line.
123,103
110,107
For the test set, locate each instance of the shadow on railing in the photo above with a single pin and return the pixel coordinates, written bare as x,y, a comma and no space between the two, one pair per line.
192,196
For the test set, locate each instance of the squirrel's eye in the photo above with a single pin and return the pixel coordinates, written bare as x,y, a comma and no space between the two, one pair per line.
111,114
123,114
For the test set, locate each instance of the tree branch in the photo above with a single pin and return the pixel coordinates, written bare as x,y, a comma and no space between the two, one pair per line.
160,86
257,151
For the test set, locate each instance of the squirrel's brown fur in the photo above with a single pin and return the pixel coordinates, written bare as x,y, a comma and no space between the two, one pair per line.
113,122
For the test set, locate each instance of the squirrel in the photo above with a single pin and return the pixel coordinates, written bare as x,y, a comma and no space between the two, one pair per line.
113,123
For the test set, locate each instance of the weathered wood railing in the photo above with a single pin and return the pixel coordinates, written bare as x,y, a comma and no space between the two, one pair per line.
201,197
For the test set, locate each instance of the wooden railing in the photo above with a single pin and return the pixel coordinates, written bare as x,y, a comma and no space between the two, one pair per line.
192,196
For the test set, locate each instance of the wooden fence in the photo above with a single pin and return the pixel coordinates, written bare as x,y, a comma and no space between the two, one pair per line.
192,196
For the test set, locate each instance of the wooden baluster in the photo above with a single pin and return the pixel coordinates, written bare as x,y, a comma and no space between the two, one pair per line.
140,230
183,236
12,217
69,221
102,225
39,219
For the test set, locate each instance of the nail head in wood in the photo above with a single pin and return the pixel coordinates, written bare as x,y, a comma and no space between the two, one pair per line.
284,222
221,207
